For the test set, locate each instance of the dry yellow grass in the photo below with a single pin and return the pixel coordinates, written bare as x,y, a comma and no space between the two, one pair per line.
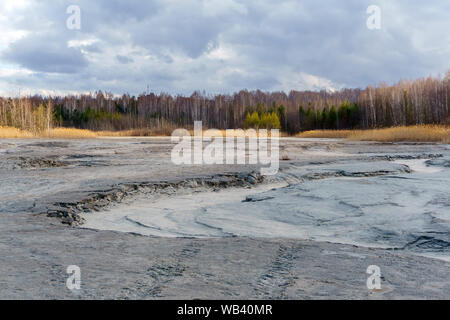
143,132
425,133
69,133
165,132
234,133
73,133
10,132
325,134
62,133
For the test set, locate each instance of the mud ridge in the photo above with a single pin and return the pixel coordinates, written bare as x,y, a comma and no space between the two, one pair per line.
35,163
407,156
69,211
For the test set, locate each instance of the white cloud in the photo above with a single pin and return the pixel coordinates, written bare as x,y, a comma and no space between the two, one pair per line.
14,72
9,6
81,42
221,53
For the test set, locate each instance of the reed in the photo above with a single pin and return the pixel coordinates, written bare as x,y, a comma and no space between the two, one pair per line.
423,133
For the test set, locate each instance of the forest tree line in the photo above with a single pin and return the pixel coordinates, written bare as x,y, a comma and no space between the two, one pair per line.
422,101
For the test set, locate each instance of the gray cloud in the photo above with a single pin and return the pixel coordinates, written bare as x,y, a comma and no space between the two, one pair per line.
45,54
223,46
123,59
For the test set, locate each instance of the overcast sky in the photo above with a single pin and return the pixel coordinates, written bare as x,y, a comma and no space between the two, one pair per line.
219,46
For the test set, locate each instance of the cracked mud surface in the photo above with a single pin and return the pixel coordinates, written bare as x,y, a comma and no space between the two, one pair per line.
91,178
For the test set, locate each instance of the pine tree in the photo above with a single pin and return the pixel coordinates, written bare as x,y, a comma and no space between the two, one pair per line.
332,118
301,117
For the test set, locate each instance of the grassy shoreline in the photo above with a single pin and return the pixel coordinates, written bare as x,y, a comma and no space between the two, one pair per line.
423,133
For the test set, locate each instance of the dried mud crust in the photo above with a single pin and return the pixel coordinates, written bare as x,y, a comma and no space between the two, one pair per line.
36,249
69,212
35,163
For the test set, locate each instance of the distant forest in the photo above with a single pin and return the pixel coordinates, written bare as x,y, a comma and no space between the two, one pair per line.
422,101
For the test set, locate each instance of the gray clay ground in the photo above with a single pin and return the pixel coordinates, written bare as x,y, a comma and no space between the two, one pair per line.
140,227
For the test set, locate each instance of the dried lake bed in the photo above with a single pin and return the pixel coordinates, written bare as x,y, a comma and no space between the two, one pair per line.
141,227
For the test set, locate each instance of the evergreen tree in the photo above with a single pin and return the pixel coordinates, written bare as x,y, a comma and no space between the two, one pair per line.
319,120
281,112
343,115
301,117
354,116
332,118
310,119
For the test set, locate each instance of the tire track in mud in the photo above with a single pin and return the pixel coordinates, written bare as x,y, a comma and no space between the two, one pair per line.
273,283
162,274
